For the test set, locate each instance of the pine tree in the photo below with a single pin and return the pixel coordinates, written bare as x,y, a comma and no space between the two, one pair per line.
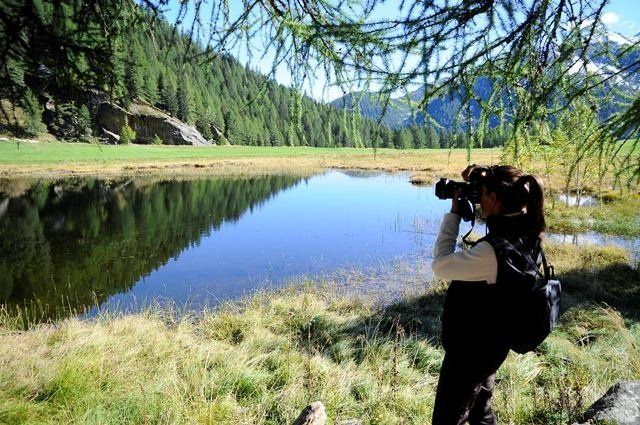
183,101
84,124
203,124
168,101
150,86
33,110
132,80
431,136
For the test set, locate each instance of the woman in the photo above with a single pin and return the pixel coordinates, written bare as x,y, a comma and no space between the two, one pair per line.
474,328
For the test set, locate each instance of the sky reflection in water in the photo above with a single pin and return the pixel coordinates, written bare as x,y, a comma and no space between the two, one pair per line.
337,220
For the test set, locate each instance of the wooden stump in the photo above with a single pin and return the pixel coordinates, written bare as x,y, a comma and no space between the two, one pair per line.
313,414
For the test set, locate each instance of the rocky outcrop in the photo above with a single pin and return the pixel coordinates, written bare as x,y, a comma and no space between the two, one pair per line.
148,123
620,405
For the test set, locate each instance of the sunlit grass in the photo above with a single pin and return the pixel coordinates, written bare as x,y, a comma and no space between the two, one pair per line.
615,215
263,359
29,153
12,152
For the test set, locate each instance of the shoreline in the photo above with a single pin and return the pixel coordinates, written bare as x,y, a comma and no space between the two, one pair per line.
618,216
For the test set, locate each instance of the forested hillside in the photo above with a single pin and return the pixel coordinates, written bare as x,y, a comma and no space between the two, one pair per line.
60,54
248,107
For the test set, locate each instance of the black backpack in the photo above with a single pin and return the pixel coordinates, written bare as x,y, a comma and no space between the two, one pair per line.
531,303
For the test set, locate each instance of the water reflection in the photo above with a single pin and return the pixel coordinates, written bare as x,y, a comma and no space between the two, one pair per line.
575,200
69,245
73,243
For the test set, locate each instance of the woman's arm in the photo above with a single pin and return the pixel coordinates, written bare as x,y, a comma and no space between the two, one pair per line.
475,264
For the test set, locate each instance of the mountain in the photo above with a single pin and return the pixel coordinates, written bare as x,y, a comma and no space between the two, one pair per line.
401,113
613,53
608,56
372,106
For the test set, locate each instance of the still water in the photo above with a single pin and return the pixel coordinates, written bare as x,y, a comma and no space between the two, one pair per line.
71,245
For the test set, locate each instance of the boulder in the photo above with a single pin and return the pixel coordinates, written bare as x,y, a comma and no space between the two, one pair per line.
148,123
110,137
620,405
313,414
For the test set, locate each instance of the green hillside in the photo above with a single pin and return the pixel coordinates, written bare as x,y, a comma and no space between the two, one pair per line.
133,56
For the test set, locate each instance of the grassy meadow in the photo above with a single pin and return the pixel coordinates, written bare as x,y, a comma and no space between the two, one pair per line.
263,359
54,159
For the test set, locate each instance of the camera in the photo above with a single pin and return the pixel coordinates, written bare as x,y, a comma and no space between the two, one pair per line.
447,189
470,191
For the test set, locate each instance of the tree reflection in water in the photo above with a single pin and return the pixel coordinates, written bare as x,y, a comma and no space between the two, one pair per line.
70,244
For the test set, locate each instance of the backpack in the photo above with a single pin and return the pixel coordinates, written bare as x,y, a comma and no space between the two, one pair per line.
532,306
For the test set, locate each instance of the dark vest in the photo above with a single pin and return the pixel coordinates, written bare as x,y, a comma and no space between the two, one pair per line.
473,317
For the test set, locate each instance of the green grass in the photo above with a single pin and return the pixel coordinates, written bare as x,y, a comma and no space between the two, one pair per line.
54,152
262,360
617,215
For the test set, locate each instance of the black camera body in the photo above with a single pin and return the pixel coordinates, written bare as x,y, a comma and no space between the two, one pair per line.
471,190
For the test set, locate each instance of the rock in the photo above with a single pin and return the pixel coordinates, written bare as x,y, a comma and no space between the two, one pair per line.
148,122
110,138
620,405
217,134
313,414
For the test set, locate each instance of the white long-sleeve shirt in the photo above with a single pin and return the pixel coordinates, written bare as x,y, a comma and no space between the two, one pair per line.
475,264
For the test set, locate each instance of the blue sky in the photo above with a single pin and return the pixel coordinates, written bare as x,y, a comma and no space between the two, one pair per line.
621,16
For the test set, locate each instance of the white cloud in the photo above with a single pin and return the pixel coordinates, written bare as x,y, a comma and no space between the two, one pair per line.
610,18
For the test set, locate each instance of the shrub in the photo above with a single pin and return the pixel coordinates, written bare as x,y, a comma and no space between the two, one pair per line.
33,124
156,140
127,135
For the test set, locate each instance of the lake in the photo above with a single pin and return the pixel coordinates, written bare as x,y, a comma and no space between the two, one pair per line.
70,244
82,245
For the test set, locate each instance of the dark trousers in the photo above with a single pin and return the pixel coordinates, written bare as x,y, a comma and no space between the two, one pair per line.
465,388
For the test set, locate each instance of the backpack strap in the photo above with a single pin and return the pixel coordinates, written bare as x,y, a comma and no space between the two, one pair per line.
549,271
466,241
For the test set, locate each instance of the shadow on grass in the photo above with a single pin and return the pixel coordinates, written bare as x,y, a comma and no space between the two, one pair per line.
616,284
411,325
417,318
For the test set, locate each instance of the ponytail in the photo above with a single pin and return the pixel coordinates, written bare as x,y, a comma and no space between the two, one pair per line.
531,189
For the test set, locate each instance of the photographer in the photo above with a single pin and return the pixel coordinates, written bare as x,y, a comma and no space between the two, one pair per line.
474,325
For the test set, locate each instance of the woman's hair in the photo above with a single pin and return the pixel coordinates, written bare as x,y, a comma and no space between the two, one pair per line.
518,191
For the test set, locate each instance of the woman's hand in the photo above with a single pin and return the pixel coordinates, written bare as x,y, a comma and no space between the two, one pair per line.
455,205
